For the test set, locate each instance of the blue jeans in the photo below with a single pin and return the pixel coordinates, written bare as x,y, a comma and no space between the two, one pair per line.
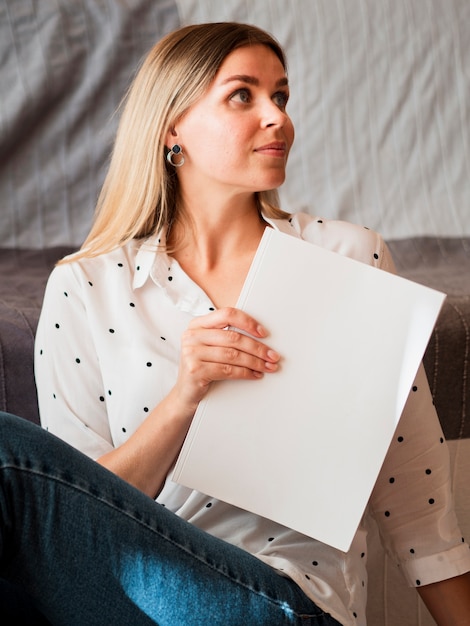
88,549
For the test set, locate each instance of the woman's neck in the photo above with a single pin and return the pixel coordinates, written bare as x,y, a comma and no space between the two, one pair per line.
215,247
212,228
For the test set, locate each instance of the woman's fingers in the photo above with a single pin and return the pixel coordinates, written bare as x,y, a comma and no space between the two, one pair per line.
233,342
229,317
213,340
224,345
229,358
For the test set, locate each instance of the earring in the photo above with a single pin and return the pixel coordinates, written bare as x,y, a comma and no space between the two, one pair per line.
177,149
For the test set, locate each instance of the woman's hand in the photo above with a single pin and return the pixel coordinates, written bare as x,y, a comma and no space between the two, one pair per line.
210,350
222,345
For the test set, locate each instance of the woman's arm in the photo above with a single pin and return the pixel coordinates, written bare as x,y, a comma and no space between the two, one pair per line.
412,500
67,369
448,601
209,352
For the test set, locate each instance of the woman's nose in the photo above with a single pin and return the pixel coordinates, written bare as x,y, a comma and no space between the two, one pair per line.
272,115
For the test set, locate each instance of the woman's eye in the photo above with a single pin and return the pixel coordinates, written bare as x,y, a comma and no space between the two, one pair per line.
281,98
243,95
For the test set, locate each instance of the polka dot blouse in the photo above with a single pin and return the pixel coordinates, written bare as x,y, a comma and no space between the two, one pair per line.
107,351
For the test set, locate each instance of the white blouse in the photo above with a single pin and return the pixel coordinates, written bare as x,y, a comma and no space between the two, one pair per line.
107,351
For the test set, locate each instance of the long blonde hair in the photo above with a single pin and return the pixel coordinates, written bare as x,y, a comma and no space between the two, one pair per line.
140,192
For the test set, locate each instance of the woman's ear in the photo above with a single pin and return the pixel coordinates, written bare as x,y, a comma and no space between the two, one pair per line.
171,137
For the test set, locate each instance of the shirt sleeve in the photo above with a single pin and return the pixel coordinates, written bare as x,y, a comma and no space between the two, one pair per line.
412,500
71,394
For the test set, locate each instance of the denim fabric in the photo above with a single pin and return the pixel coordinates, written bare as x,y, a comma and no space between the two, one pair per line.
91,550
17,608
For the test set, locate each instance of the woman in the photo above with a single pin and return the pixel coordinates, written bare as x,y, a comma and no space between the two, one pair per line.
134,330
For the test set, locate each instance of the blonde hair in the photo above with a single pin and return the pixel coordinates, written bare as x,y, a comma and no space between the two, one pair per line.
140,192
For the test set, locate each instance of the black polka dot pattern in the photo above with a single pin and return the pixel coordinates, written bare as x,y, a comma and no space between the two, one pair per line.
112,332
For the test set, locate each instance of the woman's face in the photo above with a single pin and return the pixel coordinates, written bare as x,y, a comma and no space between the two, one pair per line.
237,137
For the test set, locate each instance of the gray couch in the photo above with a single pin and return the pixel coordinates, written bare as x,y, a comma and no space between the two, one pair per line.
382,139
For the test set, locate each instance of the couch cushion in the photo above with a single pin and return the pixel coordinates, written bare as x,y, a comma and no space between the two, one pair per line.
444,264
23,276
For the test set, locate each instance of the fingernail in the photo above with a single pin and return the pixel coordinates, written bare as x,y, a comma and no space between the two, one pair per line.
274,356
261,330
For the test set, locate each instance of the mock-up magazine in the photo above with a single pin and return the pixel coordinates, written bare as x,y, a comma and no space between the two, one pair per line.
303,446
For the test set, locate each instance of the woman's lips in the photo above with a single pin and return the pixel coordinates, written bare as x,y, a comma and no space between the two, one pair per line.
275,148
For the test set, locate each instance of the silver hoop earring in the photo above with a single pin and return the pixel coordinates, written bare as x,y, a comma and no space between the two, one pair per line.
176,150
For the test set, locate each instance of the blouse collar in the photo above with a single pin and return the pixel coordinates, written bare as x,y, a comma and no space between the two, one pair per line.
152,260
